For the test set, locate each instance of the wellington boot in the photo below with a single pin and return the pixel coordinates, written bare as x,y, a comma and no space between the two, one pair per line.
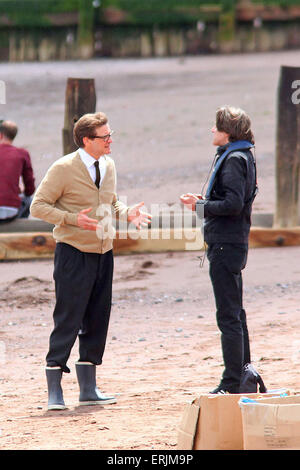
55,394
89,393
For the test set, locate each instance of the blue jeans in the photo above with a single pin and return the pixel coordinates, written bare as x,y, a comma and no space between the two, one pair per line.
24,210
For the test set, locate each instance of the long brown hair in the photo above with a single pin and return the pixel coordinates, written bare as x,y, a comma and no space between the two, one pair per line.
235,122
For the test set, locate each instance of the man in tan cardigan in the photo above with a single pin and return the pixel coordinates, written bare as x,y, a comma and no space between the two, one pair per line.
78,195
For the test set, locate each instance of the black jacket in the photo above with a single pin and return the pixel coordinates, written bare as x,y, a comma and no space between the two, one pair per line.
227,212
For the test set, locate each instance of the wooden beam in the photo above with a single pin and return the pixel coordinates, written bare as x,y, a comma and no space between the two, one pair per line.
26,245
272,237
36,225
42,245
159,240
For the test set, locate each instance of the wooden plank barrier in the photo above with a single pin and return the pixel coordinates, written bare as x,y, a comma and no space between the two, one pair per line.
259,219
26,245
35,245
274,237
42,245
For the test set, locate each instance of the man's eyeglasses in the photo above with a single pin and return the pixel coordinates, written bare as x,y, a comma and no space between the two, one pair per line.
103,137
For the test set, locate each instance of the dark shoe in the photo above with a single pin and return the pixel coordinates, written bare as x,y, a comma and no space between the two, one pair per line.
55,394
89,393
221,390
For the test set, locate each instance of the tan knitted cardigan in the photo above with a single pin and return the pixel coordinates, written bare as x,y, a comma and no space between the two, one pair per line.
66,189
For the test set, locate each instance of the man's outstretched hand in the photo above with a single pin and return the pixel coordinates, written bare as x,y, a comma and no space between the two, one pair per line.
190,199
135,216
138,217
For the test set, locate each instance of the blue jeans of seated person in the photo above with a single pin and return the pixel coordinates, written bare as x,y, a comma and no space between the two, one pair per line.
227,261
23,212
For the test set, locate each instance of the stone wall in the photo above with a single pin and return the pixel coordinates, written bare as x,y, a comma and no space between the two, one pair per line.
195,41
62,44
38,45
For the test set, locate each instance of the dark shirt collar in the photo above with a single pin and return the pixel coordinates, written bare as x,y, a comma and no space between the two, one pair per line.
222,148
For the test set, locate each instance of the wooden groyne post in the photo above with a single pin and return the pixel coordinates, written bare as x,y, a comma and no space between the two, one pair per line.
288,148
80,99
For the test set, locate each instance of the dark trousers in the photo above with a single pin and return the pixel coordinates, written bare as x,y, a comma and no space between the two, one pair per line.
83,287
226,263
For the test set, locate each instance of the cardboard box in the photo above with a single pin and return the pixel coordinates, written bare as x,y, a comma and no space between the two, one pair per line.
188,426
271,423
214,422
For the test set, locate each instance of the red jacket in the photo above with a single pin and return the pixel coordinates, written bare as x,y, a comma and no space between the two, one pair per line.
14,163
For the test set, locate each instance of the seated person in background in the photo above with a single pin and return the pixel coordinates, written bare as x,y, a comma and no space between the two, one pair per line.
14,163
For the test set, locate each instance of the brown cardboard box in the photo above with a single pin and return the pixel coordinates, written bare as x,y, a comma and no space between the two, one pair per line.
188,425
272,423
214,422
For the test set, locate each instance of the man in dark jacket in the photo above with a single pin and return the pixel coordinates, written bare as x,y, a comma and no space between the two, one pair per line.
226,209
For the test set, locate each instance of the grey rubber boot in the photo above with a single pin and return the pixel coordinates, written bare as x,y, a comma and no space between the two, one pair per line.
89,393
55,394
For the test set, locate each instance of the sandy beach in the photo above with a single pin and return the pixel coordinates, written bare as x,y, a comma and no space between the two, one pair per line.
163,345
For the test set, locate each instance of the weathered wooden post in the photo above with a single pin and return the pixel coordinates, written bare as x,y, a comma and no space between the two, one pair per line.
80,99
288,148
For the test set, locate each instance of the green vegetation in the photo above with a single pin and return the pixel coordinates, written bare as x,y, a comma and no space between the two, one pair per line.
86,21
33,13
39,6
280,3
160,12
